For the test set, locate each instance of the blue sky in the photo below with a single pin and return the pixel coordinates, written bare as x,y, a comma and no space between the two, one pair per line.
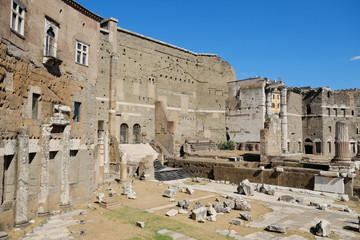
304,42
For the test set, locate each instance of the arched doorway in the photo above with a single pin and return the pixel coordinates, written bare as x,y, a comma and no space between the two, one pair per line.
309,147
124,133
136,133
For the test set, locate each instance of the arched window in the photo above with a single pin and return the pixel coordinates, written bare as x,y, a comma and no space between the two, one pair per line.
309,147
50,42
124,133
137,133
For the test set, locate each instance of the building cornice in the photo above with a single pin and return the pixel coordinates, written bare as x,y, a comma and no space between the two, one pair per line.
83,10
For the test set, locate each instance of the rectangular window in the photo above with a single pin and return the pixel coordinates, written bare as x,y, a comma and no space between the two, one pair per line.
329,147
35,105
318,147
329,128
335,110
77,111
343,112
329,111
82,52
17,17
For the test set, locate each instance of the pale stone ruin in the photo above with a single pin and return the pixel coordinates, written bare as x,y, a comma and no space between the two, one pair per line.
121,105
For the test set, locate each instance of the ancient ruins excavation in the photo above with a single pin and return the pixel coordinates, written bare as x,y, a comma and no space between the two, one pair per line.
109,134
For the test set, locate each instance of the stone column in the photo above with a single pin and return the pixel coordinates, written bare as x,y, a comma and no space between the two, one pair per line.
22,193
106,153
283,115
101,135
64,175
341,142
43,209
123,167
268,103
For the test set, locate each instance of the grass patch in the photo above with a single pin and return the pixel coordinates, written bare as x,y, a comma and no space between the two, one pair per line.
154,223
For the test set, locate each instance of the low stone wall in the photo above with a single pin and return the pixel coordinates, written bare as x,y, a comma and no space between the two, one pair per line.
234,173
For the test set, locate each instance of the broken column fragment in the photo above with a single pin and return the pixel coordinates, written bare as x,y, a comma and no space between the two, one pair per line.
341,143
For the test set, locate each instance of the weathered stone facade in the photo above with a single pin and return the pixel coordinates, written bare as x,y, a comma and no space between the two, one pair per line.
295,120
137,71
47,132
73,86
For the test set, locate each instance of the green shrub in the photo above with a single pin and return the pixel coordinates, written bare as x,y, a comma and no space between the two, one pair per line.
229,145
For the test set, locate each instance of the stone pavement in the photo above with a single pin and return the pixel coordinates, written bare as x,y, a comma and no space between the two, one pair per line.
55,228
174,235
293,215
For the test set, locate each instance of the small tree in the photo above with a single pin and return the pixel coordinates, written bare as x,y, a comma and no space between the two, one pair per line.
229,145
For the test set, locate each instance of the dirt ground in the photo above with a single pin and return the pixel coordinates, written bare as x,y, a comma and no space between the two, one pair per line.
120,223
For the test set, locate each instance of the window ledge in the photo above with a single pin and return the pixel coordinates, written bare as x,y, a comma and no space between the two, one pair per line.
82,64
17,33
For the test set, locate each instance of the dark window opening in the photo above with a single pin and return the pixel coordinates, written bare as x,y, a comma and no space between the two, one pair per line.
35,105
52,155
31,157
136,133
124,133
308,109
73,153
329,147
308,146
101,125
77,111
318,147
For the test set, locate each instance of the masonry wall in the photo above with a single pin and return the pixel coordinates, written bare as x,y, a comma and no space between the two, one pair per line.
250,108
46,156
295,111
191,86
291,177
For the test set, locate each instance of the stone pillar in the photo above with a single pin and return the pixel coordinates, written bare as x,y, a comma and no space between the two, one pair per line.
101,135
106,153
43,209
283,115
341,143
123,167
357,156
268,103
64,175
22,193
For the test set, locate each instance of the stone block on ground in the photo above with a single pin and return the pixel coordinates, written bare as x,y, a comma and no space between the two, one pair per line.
236,222
211,211
241,204
199,213
245,188
277,228
140,224
245,216
169,193
211,218
184,203
183,211
100,197
323,228
197,205
190,190
286,198
219,207
229,203
172,213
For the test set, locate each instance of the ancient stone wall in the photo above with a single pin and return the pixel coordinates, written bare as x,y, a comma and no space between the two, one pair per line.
44,142
249,96
148,70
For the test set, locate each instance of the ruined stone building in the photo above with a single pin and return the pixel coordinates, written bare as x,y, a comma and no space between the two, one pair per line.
72,83
48,73
299,120
156,91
